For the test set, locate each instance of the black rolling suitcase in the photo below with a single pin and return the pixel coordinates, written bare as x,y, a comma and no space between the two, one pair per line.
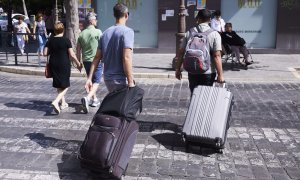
208,117
111,137
108,145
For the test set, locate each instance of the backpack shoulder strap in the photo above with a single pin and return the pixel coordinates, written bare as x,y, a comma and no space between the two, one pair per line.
198,29
207,32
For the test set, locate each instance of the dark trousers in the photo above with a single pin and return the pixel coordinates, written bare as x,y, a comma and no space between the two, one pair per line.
200,79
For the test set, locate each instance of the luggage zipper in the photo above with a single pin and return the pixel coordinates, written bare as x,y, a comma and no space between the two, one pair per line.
115,153
118,155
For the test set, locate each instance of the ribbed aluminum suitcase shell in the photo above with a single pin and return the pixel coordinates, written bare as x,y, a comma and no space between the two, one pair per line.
208,116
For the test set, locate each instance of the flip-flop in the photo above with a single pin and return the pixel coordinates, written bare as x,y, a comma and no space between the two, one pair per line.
55,108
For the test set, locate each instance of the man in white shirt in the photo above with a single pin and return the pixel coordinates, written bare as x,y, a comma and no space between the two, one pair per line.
217,23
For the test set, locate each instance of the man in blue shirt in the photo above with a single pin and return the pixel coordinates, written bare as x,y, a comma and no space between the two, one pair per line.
115,51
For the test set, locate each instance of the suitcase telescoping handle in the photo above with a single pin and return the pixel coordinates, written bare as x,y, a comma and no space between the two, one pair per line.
221,83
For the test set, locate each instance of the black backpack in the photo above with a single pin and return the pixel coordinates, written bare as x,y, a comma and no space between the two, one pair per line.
126,102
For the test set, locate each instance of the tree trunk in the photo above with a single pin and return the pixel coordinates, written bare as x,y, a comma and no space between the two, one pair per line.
72,21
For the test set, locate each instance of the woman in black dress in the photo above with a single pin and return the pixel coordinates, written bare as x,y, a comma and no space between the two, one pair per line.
60,49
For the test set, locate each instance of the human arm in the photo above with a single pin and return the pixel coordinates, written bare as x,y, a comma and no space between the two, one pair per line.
46,51
218,63
78,51
28,31
95,63
180,55
74,59
127,65
222,25
238,41
45,30
127,57
179,62
33,30
216,54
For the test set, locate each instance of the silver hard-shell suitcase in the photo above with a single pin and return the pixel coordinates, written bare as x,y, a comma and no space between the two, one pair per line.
208,117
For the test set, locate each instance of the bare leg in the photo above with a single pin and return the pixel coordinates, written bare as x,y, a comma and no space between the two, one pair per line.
93,91
60,96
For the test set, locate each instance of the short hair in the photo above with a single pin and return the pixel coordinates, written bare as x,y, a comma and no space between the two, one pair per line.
120,10
228,24
217,13
58,28
204,15
91,16
39,15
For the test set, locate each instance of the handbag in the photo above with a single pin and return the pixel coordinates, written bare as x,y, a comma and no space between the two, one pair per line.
25,37
47,70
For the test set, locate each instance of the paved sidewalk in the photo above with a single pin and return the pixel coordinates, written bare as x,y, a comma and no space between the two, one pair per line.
267,67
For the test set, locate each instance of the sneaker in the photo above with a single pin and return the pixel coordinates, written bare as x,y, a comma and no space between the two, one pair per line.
95,103
85,104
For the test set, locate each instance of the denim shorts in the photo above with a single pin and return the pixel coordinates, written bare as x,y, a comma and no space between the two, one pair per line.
97,73
113,85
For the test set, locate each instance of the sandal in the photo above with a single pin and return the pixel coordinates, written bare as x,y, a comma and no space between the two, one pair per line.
55,108
64,106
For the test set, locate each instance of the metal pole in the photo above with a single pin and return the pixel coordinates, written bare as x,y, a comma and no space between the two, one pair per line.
181,29
56,11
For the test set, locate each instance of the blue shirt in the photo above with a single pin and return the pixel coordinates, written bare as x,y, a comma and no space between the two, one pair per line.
112,42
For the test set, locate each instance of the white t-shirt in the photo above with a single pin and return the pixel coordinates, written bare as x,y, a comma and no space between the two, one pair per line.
21,28
218,25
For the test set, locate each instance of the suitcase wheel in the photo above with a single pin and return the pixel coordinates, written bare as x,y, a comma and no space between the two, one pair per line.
220,151
218,142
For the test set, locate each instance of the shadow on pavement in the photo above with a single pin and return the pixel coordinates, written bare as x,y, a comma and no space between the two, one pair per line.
43,106
174,141
69,161
160,68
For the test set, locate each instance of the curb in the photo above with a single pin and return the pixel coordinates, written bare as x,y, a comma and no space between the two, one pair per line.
38,72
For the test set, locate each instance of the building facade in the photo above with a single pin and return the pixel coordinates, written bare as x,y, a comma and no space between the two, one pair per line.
268,26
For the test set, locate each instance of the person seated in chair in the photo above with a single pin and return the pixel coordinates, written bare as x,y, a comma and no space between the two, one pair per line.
235,43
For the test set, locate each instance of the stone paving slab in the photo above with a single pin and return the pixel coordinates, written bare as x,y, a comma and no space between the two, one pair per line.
263,140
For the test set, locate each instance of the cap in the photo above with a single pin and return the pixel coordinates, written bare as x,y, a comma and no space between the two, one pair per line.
91,16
